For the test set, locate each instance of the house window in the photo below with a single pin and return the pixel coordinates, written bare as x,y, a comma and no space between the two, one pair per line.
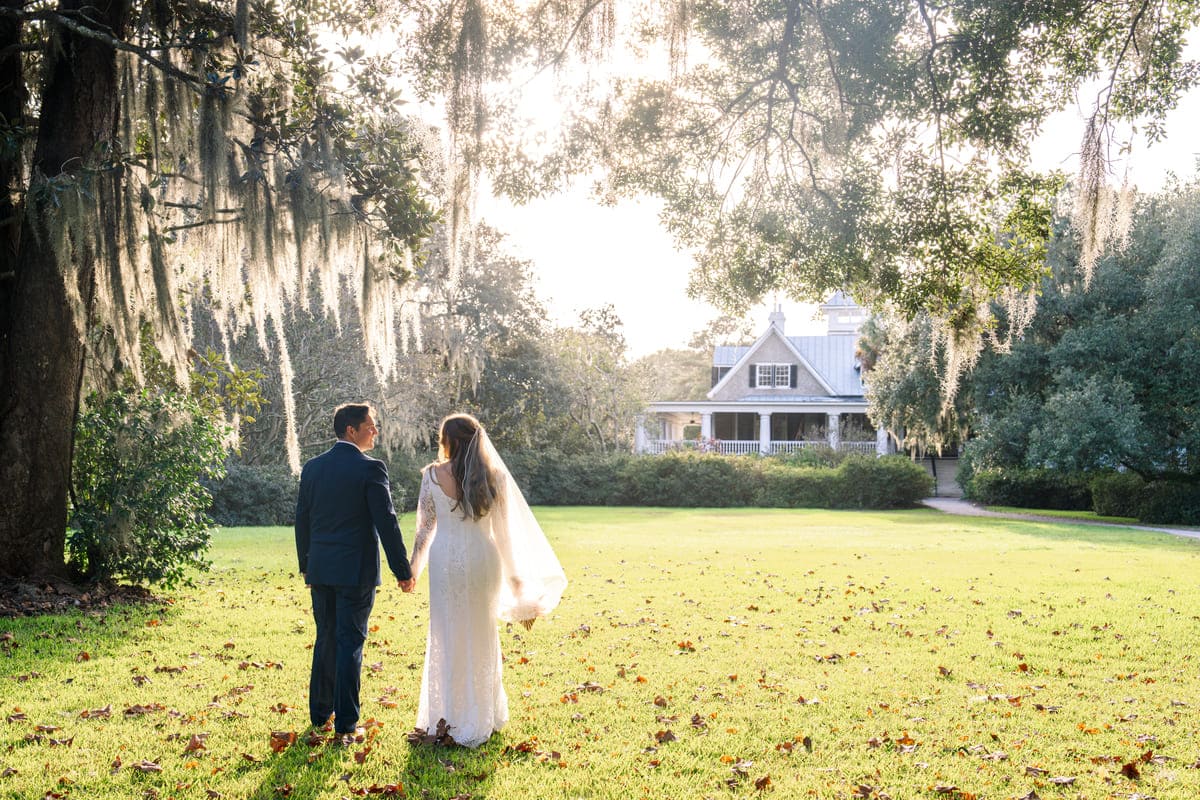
774,376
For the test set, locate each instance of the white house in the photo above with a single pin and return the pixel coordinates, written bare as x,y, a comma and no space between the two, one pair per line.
780,394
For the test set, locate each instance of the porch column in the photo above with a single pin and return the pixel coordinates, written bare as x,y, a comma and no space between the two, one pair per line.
764,433
706,426
639,434
881,442
834,429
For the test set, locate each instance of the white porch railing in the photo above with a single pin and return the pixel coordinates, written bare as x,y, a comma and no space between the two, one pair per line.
742,447
792,446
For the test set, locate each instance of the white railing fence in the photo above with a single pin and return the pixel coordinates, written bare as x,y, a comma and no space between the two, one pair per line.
742,447
792,446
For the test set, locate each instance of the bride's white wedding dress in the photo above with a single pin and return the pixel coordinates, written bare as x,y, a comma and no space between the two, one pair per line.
479,572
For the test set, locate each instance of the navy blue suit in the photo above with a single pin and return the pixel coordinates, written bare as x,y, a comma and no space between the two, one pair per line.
343,513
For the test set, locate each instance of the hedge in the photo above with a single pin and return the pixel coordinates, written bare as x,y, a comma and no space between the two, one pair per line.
266,495
1170,503
1030,488
1117,494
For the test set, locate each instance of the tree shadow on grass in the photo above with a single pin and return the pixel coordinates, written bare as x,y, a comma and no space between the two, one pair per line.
445,772
306,769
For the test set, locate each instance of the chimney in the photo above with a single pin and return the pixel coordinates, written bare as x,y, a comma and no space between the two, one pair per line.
776,318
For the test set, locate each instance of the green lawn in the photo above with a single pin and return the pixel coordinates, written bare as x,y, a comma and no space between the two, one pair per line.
694,655
1090,516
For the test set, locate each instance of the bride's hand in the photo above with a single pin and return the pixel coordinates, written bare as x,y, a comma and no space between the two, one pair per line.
528,623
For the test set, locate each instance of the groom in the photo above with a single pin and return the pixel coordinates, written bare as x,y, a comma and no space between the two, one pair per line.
343,513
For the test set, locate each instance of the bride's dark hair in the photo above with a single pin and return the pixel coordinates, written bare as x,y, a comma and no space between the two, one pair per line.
460,442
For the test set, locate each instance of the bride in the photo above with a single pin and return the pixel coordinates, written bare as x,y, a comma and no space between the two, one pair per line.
488,560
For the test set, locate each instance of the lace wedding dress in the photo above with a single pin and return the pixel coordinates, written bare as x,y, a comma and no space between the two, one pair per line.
499,567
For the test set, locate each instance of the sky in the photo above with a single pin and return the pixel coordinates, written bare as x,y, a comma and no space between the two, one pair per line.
585,254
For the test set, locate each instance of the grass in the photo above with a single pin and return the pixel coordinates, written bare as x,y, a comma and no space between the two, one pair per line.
1090,516
918,655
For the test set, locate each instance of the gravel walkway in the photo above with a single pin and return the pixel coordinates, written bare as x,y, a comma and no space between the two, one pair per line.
954,505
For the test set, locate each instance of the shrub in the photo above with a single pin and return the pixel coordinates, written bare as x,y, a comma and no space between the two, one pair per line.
138,505
809,457
254,495
795,487
1030,488
1117,494
552,478
690,480
885,482
1170,503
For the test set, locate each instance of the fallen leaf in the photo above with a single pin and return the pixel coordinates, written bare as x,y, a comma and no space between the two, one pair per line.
196,743
763,783
1062,780
662,737
282,740
147,766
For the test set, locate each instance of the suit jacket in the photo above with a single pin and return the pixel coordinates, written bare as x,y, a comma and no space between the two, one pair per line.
343,513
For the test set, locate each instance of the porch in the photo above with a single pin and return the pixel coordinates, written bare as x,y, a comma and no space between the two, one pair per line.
735,429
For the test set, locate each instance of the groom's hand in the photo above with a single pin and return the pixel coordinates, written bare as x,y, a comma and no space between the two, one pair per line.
408,585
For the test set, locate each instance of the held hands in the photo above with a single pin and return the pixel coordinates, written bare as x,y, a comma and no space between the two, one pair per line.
408,585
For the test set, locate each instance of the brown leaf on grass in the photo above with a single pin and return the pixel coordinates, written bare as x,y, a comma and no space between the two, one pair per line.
116,765
141,680
442,737
147,766
83,655
698,722
1062,780
662,737
281,708
741,768
196,743
763,783
46,728
213,794
1131,771
252,759
874,742
8,771
944,672
996,756
18,716
284,790
315,739
808,701
360,757
171,670
660,701
96,713
62,742
1031,796
390,790
1036,772
282,740
138,710
387,702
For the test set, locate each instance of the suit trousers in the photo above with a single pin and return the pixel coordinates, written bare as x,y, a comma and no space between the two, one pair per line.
341,614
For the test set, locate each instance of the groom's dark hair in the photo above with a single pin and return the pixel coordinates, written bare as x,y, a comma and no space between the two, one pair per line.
349,415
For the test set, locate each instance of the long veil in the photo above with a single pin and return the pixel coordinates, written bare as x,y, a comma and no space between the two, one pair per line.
533,580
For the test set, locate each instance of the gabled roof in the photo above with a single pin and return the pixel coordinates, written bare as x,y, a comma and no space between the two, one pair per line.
752,349
831,359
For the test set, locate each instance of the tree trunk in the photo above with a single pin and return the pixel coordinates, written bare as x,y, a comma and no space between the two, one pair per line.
41,347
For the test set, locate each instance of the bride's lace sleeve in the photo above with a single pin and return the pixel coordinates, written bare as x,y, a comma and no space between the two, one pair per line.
426,526
533,578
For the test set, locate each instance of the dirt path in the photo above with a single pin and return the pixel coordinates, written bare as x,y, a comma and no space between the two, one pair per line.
953,505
